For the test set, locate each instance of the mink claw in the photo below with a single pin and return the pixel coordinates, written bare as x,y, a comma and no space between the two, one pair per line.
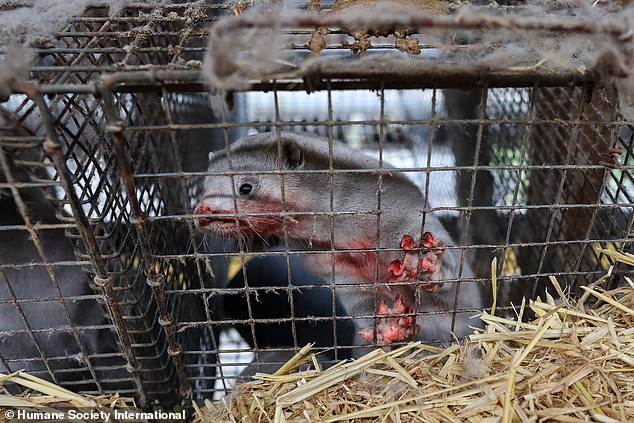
408,243
382,308
428,240
396,267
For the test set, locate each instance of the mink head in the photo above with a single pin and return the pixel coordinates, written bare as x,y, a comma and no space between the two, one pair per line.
250,202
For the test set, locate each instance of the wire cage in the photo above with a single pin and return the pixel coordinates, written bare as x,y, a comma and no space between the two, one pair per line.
104,154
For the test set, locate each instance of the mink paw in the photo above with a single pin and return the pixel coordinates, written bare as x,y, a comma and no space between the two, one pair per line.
392,329
418,265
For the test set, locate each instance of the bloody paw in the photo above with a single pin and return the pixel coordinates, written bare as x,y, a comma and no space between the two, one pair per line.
392,329
428,240
417,265
408,243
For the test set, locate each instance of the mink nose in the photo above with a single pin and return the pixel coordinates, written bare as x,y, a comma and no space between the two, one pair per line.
205,210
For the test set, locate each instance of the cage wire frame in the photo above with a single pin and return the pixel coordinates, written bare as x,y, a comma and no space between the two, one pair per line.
110,93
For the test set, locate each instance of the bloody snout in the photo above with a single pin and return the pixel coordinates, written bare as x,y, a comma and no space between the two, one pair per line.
204,210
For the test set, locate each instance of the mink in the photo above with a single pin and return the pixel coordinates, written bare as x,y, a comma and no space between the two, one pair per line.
399,279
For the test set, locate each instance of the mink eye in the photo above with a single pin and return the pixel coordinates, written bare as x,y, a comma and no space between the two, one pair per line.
245,189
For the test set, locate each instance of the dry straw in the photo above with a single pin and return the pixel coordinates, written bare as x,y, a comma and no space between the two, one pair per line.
46,397
573,363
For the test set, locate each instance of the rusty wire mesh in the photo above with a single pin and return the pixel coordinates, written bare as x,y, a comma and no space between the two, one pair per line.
115,128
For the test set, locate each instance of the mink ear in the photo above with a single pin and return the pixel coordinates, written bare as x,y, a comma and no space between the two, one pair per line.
292,154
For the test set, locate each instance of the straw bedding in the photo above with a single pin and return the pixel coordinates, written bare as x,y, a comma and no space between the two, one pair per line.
573,363
44,396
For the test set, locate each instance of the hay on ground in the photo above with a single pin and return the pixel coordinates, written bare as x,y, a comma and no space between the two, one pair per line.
44,396
573,363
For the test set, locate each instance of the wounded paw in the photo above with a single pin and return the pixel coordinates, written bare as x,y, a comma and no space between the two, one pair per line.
392,329
421,264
